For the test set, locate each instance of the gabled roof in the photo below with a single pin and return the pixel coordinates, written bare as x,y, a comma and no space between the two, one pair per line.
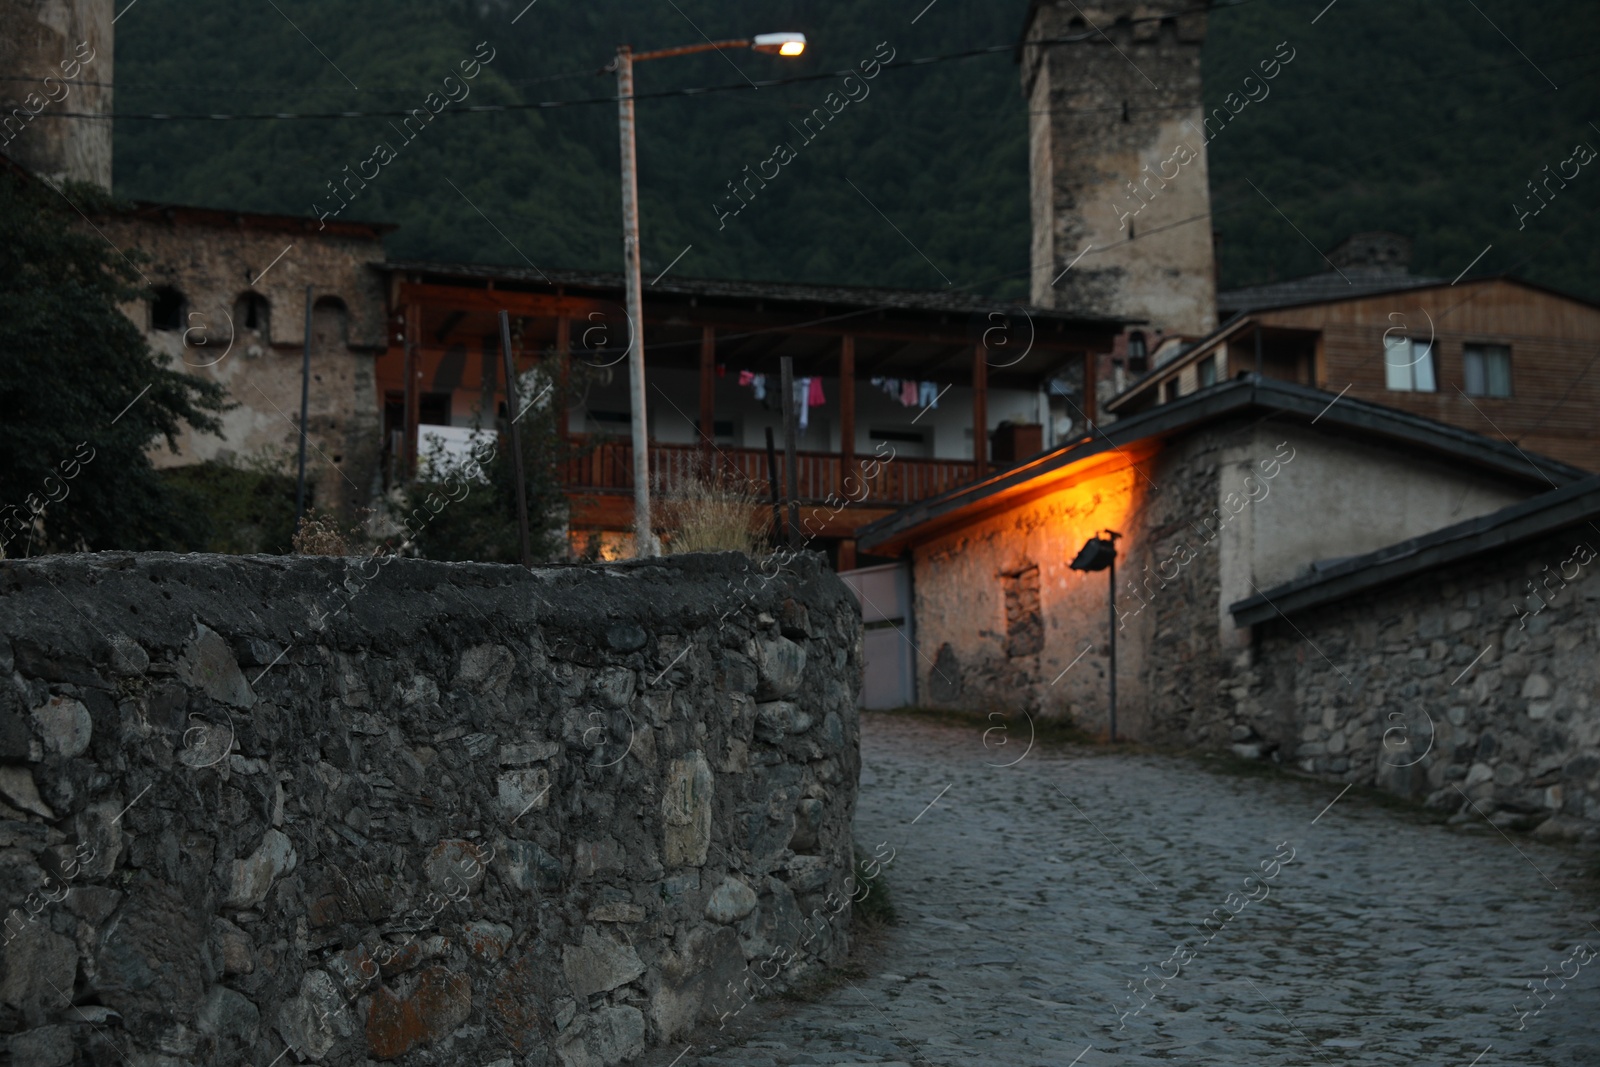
1342,284
1570,505
1140,435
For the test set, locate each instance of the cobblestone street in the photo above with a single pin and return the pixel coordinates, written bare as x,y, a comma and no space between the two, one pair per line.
1031,897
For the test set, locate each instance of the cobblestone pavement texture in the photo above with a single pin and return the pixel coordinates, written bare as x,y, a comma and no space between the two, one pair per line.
1031,897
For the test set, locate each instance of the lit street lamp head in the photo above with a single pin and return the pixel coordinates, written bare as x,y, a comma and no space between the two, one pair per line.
782,44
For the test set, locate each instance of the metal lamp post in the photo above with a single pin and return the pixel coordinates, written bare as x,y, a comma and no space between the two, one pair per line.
783,44
1098,554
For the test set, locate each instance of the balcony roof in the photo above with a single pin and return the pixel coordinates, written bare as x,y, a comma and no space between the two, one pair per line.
900,333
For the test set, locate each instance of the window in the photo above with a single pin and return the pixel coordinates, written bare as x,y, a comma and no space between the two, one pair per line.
166,310
1408,365
1488,369
251,312
1138,354
433,409
1171,389
1208,371
1024,622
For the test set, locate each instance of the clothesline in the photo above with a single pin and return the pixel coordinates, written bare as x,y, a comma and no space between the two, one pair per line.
808,393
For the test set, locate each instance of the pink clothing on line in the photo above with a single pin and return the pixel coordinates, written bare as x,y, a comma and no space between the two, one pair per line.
816,399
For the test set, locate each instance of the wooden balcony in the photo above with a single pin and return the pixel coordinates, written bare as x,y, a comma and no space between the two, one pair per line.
608,465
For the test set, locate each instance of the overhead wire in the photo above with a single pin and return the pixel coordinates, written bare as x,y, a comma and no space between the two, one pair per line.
657,95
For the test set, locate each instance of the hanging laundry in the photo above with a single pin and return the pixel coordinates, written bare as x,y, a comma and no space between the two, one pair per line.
746,377
908,393
928,394
722,370
759,383
814,397
802,401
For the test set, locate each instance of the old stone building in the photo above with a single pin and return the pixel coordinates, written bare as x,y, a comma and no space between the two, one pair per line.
1217,496
228,303
1117,163
1458,662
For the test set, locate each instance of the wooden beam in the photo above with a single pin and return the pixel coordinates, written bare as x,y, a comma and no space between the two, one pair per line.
847,408
980,410
413,398
708,394
891,324
462,299
870,368
612,510
1090,361
847,554
451,321
563,374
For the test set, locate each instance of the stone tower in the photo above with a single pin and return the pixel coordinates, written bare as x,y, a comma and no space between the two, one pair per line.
1117,161
55,57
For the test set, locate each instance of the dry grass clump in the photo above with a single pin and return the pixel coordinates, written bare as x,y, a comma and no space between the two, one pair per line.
710,513
320,535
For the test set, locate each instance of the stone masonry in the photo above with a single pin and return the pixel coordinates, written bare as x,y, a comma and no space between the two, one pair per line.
1456,683
455,813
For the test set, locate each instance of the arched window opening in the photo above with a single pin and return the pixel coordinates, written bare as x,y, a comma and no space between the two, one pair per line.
166,309
330,320
252,311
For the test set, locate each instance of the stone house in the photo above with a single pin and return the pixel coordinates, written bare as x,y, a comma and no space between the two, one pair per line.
1458,664
232,294
1218,495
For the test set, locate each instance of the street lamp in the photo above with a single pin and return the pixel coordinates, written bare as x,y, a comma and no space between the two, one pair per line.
1098,554
782,44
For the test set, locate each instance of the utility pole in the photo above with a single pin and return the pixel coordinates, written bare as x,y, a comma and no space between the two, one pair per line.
512,414
790,478
305,404
643,537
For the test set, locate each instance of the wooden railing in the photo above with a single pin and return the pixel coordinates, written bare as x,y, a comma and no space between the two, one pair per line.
608,464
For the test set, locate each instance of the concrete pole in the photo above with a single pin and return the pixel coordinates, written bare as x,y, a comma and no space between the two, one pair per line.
644,539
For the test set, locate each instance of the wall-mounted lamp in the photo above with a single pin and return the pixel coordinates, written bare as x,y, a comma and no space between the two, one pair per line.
1098,554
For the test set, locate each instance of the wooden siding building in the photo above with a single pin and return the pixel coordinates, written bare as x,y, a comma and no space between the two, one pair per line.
1496,355
988,364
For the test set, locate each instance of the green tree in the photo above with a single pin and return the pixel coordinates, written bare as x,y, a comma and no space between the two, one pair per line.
84,396
469,511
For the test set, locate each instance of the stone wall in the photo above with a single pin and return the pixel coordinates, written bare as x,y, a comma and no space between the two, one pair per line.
1452,682
444,813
